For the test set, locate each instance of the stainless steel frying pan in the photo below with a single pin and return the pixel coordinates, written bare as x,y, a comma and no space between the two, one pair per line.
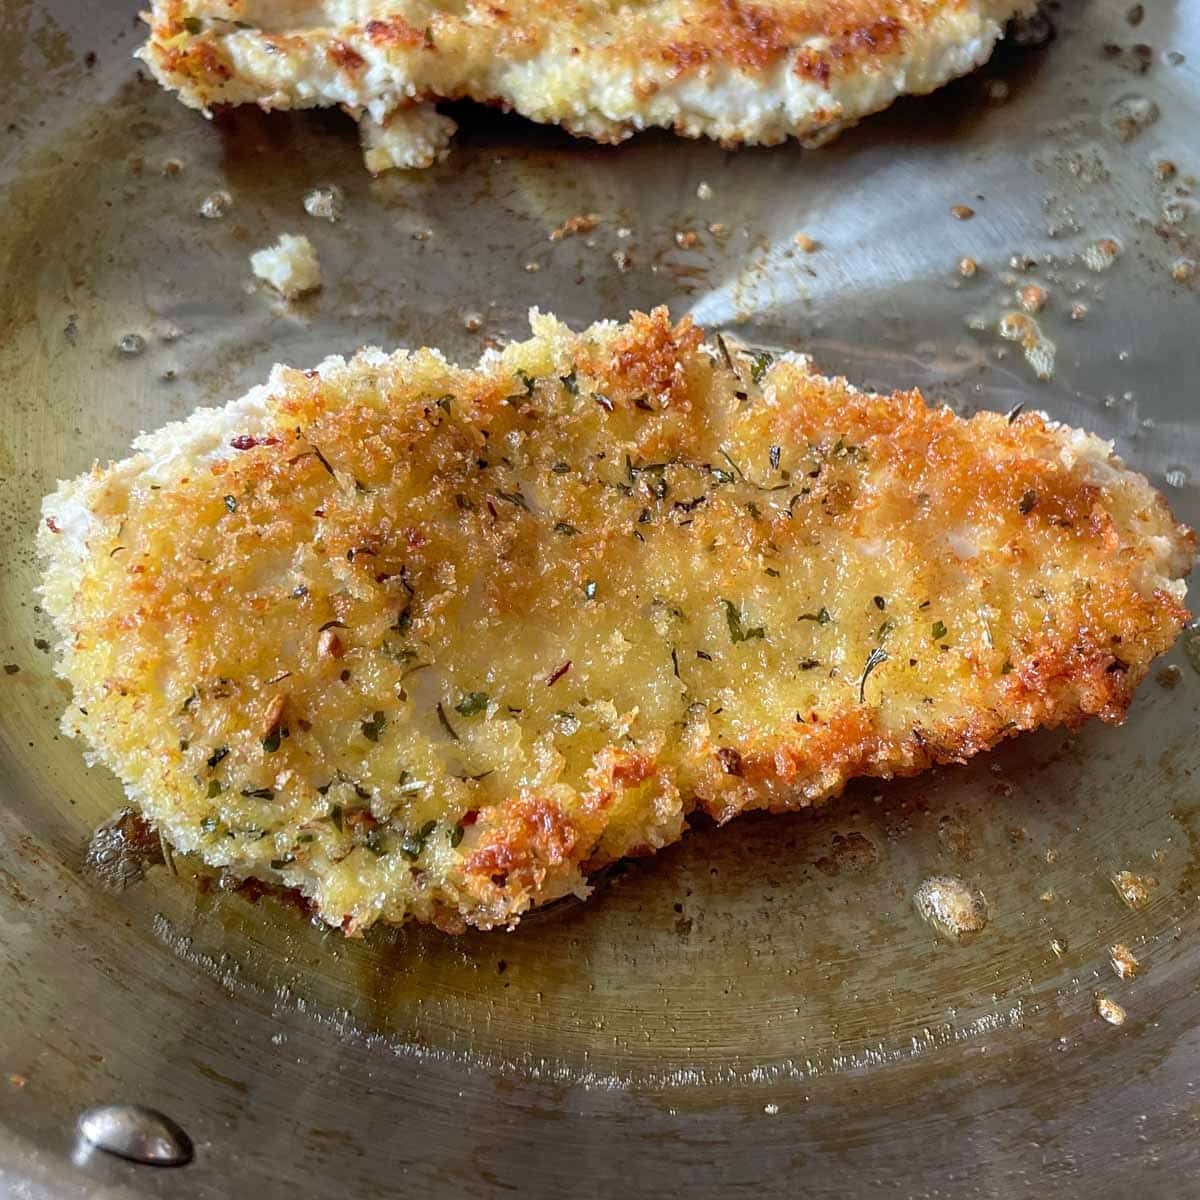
761,1010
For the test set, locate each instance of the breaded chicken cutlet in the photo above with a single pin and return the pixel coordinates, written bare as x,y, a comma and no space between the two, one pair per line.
734,70
431,642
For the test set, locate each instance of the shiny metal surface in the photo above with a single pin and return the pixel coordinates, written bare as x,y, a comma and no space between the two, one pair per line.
132,1131
763,1009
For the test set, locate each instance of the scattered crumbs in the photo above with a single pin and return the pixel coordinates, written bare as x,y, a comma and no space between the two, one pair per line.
531,267
704,191
1078,311
1101,255
1039,350
1135,14
1175,212
967,267
1110,1010
623,260
951,907
1164,169
215,205
771,1109
172,166
1134,889
326,203
1061,220
290,266
18,1081
1130,116
1014,327
132,344
962,212
717,229
1059,946
1086,163
1183,270
686,238
805,243
422,235
1033,298
624,232
1051,856
580,223
1123,961
11,668
1048,896
472,322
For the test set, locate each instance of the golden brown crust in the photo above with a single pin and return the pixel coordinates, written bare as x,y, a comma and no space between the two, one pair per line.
431,642
522,845
857,35
737,70
854,34
395,31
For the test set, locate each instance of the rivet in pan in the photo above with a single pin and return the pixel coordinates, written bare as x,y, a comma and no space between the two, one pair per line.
132,1131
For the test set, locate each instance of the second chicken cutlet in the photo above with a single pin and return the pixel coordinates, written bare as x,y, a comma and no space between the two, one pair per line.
728,69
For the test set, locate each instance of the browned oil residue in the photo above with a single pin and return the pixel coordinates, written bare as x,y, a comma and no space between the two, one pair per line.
121,849
852,853
254,890
1134,889
1123,961
954,836
1169,678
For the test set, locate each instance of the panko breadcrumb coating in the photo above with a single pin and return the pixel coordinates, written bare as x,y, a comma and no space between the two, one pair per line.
434,642
727,69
